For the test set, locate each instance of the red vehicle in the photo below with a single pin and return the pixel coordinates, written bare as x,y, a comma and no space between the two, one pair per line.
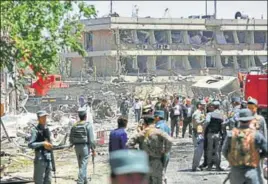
44,84
254,84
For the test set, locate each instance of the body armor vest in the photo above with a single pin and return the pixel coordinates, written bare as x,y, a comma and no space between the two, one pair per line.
42,135
79,133
243,151
215,122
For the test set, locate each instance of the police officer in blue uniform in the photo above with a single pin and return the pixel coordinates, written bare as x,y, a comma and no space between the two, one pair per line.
39,142
213,124
82,138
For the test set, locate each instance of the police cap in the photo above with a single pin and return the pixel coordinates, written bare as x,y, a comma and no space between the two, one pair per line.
160,114
41,113
216,103
236,99
253,101
245,115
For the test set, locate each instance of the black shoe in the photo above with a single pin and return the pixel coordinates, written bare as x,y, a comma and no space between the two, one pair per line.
219,169
209,168
203,165
200,167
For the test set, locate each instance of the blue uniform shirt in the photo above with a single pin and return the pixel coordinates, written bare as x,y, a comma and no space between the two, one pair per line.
163,126
118,139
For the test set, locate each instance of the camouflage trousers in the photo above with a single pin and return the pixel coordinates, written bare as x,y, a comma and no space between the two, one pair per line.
156,175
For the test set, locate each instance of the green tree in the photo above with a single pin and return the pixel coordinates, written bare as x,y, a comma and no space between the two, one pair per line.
34,33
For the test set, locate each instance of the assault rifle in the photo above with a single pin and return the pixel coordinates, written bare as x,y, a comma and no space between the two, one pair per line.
93,163
47,135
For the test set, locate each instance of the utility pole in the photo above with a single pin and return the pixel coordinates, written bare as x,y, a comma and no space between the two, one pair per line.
111,7
215,9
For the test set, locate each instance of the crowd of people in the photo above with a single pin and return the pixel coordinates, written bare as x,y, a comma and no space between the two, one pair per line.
237,132
216,126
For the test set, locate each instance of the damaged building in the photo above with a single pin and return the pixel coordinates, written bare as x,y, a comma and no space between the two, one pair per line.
164,46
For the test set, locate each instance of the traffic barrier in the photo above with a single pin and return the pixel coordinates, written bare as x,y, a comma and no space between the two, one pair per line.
103,137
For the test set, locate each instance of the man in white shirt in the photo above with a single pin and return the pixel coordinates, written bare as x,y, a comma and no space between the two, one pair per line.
137,110
176,116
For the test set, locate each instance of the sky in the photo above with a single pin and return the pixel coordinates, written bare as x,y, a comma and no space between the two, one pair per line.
178,9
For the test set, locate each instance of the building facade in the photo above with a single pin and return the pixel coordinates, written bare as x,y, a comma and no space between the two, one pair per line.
165,46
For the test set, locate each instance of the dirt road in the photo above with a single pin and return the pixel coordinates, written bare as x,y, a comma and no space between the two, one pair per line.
179,169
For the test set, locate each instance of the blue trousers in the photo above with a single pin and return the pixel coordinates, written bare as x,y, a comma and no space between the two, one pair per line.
42,171
198,152
82,154
245,175
137,115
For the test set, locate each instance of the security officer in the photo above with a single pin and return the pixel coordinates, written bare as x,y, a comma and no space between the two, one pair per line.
199,148
213,124
124,107
156,144
198,118
82,137
39,142
129,166
209,108
232,121
243,147
161,124
259,122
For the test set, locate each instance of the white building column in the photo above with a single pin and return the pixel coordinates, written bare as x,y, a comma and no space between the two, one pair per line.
202,60
185,37
152,37
218,61
236,66
186,63
169,38
252,61
169,61
236,40
151,63
134,62
245,64
250,37
135,36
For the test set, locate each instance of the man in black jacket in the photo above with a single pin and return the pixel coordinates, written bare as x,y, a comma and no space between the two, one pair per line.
188,111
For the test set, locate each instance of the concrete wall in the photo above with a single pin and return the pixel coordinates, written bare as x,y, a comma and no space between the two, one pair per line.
76,67
105,65
103,40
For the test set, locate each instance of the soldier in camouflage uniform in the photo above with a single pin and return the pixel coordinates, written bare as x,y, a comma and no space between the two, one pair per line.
156,143
146,110
243,148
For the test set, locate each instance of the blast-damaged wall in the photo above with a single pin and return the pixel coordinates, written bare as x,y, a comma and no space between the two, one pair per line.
105,65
